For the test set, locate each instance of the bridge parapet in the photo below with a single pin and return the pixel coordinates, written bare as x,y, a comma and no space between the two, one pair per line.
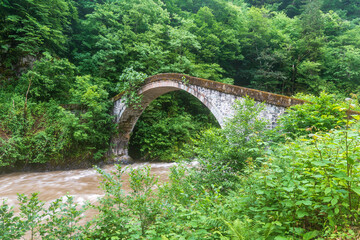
257,95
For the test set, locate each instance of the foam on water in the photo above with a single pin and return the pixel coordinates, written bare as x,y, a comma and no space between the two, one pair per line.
83,184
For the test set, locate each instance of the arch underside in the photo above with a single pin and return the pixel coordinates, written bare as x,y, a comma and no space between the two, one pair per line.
128,116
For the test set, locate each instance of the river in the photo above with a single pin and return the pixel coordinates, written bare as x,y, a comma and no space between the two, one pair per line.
83,184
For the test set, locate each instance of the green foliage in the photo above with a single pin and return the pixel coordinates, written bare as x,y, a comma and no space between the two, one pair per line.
188,212
143,201
49,79
164,138
321,114
129,83
248,229
172,211
223,153
261,47
29,28
11,227
122,215
44,132
118,33
306,187
59,221
93,127
112,218
26,139
292,8
168,123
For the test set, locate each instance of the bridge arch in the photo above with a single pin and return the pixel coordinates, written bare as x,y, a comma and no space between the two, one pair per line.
217,97
127,117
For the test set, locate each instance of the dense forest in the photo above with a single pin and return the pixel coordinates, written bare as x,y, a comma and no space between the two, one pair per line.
78,52
61,61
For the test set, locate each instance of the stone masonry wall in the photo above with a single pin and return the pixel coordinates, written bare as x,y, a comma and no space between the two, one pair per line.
219,98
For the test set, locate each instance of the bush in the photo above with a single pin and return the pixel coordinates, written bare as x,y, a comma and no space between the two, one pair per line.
322,114
44,132
125,216
172,211
34,135
58,221
308,186
223,153
168,123
50,78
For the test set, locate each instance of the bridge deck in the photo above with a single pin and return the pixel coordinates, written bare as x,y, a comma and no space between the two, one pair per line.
261,96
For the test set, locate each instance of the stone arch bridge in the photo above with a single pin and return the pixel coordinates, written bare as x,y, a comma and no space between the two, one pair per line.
217,97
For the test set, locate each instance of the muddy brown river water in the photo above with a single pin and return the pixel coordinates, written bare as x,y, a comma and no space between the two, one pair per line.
83,184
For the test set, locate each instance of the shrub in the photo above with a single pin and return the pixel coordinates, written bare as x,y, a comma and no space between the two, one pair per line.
125,215
307,186
169,122
223,153
58,221
129,83
45,132
322,114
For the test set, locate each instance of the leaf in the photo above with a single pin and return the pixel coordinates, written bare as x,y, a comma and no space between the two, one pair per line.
340,175
288,189
357,117
350,160
310,235
301,213
281,238
260,192
356,190
334,201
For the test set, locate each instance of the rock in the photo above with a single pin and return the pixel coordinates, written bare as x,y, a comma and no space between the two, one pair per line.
125,159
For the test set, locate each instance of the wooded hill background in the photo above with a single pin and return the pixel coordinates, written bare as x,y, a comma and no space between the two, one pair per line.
75,52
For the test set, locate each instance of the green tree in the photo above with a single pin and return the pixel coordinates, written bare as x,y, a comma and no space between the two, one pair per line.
223,153
29,28
341,61
93,129
167,124
320,114
49,79
112,32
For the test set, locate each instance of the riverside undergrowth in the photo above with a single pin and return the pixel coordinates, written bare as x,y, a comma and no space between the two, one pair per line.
305,188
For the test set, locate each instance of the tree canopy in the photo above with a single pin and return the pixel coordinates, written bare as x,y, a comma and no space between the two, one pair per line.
50,50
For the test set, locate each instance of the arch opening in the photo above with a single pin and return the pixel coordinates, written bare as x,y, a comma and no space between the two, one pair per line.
167,123
217,97
127,117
